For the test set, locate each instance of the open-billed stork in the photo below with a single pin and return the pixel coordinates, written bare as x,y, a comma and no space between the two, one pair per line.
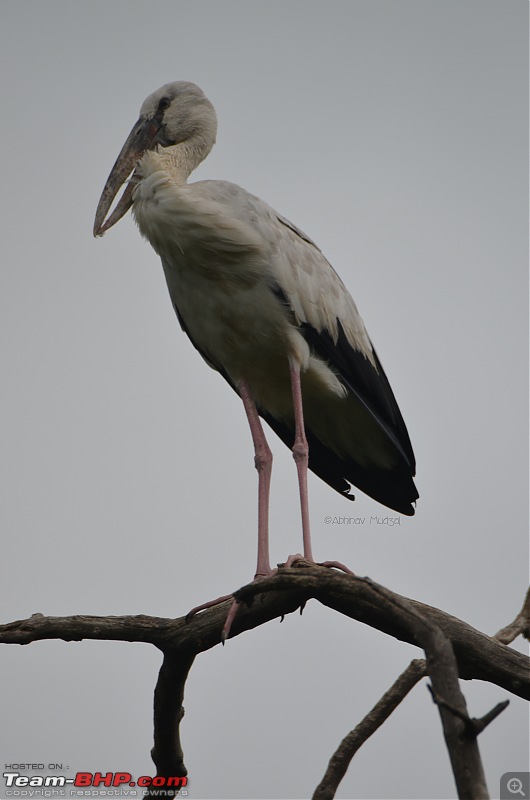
264,308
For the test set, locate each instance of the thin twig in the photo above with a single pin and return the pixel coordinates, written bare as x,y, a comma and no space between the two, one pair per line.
473,725
341,758
483,722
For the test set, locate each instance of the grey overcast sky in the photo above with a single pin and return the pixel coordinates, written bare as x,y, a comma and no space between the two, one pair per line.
395,133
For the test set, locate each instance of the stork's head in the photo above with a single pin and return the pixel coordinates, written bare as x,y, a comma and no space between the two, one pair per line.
176,115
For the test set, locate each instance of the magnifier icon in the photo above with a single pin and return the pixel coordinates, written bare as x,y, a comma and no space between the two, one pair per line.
515,786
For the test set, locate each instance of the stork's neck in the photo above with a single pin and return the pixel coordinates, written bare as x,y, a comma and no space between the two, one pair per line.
181,159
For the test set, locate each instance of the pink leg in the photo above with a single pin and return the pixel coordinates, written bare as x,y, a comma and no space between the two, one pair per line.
263,462
301,457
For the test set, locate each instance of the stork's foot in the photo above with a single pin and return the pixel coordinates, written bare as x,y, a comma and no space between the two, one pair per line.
292,559
330,564
232,611
230,617
217,602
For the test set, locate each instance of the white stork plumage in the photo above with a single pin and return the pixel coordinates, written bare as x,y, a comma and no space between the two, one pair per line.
264,308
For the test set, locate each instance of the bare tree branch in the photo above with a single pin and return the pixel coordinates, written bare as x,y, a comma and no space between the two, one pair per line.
478,656
443,670
168,712
520,625
341,758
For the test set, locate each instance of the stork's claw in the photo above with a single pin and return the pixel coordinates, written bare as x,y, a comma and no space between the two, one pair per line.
228,621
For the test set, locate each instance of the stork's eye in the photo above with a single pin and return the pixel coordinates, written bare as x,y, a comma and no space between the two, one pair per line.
164,103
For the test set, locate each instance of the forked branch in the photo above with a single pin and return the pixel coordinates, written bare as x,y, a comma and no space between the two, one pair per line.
476,655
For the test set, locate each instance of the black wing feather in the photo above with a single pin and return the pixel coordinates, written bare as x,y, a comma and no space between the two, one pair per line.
369,384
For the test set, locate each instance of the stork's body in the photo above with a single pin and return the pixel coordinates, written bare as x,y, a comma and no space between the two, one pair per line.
264,307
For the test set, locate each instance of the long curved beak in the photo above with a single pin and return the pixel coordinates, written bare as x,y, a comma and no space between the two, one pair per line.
140,139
